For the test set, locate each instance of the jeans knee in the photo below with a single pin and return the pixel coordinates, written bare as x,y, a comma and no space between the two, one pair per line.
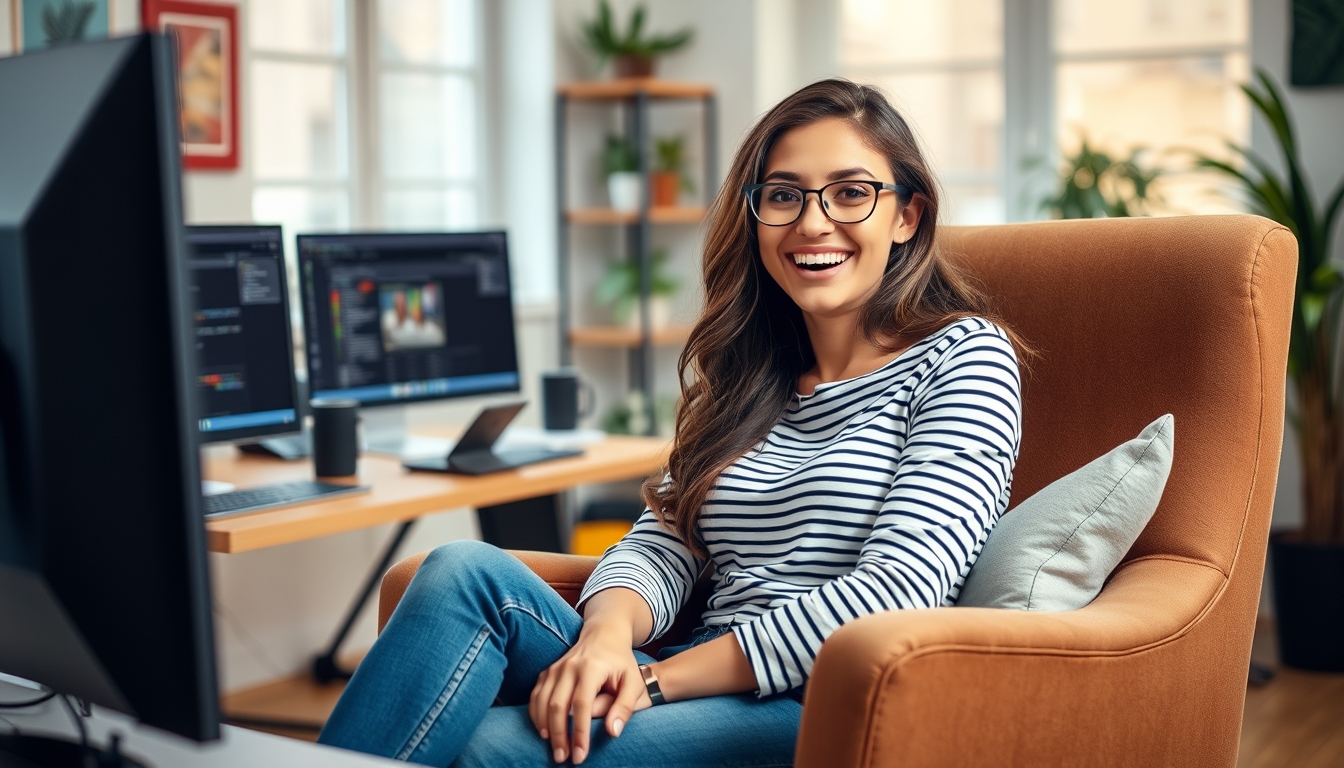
464,562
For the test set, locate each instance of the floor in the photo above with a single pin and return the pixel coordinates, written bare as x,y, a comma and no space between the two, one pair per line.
1296,719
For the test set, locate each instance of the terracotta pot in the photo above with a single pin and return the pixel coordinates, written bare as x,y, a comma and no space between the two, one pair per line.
633,66
666,188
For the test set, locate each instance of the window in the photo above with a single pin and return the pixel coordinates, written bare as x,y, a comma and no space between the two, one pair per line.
364,113
942,64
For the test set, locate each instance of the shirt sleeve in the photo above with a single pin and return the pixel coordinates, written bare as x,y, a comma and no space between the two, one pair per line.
652,561
952,481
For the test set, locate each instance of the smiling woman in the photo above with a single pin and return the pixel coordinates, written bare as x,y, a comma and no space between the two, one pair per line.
845,442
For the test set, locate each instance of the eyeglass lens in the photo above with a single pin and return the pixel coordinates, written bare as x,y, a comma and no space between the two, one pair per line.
845,202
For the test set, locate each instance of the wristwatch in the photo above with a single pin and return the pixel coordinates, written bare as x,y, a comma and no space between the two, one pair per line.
651,684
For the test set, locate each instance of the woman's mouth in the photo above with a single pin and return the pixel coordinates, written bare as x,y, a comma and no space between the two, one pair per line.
820,262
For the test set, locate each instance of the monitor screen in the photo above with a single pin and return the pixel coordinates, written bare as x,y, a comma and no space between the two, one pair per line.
244,346
398,318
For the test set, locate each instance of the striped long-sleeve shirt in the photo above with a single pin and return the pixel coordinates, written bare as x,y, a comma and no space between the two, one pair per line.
871,494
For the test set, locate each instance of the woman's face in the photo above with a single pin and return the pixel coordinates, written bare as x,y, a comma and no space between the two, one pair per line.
812,156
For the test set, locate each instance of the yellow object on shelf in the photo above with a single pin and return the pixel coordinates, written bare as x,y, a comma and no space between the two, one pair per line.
594,536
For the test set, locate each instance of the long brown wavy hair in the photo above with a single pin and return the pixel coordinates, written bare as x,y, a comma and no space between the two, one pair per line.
740,366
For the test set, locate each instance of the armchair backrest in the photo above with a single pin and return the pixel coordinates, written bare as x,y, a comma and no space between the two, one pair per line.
1134,318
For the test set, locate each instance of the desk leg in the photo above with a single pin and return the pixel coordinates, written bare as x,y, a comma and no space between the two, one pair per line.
325,668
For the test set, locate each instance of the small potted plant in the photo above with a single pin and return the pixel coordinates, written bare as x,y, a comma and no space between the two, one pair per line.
621,165
633,54
619,289
669,176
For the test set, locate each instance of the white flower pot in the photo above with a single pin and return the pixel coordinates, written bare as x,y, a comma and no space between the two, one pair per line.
660,314
624,190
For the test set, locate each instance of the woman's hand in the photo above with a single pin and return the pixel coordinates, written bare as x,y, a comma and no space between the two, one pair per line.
598,677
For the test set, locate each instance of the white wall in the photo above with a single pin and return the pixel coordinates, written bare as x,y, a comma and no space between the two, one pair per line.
1318,114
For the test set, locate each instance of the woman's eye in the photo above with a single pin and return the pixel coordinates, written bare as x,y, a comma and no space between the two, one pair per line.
854,192
782,195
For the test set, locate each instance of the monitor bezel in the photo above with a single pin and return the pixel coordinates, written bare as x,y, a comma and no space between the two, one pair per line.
310,334
300,407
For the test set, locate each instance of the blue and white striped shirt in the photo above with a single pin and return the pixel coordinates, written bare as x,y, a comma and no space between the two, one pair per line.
871,494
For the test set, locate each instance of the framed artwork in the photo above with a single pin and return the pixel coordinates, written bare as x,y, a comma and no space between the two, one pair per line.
38,24
205,37
1318,43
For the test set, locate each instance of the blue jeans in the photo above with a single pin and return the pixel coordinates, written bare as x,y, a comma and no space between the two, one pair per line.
450,677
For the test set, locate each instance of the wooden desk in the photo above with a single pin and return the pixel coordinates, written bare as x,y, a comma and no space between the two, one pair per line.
399,495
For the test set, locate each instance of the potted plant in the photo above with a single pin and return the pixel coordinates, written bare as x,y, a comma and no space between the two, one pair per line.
669,176
1093,185
633,54
1308,565
621,164
619,289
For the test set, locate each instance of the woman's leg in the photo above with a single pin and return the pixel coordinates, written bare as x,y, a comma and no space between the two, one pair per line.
726,731
474,623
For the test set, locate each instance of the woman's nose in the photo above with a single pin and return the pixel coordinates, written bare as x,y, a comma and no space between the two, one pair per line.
813,221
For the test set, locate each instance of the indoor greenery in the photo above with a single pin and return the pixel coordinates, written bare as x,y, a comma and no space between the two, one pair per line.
66,22
1094,185
619,287
1314,346
619,156
670,157
606,41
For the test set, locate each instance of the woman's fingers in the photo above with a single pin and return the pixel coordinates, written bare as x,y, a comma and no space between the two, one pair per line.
581,711
557,711
602,703
536,704
627,696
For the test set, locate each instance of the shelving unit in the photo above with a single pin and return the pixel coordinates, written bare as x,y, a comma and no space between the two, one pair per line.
636,94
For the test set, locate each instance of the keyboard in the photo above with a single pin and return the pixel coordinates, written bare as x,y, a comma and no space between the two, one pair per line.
278,495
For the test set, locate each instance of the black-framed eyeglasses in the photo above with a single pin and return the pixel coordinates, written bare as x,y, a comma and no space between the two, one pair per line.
779,204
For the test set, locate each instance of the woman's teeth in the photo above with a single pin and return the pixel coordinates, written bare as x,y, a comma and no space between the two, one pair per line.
819,260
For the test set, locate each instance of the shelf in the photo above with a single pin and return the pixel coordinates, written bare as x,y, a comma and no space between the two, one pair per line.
628,87
623,336
686,214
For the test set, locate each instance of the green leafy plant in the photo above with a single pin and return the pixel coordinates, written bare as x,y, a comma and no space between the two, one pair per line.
619,287
602,36
66,22
670,157
619,156
631,417
1312,354
1092,185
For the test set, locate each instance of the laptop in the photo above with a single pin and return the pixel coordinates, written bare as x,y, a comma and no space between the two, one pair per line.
475,453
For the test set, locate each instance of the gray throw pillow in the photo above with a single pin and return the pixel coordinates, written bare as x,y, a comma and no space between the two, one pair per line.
1054,551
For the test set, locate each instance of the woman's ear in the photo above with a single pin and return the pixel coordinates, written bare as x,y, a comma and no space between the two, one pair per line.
906,223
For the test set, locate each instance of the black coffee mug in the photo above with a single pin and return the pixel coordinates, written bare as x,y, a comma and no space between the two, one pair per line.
561,393
335,437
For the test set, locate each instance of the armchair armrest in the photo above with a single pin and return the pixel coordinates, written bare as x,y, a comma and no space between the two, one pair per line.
565,573
981,686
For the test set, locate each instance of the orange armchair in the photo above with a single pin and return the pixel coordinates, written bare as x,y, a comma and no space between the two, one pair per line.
1133,318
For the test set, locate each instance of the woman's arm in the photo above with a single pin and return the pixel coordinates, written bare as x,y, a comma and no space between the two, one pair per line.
715,668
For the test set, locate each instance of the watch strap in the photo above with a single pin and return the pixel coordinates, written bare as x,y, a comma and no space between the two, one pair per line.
651,684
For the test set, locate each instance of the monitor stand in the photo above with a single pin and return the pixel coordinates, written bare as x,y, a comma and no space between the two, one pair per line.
385,432
26,750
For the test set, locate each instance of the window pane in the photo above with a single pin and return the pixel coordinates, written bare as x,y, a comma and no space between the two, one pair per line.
884,33
428,31
1091,26
958,117
428,126
430,209
1164,105
298,120
298,26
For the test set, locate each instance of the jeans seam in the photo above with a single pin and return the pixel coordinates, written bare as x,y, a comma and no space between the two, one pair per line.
449,688
510,604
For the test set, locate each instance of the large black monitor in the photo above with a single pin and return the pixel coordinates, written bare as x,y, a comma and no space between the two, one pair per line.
244,343
402,318
104,592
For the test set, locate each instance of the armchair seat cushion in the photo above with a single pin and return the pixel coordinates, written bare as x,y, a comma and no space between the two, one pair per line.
1054,551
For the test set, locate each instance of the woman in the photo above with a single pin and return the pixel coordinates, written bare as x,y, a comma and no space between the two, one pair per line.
844,446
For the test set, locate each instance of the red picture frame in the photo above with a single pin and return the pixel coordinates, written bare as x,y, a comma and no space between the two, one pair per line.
206,42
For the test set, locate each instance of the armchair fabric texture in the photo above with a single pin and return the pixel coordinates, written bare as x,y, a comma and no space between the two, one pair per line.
1133,318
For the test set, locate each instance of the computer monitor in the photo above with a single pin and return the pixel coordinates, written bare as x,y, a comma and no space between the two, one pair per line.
244,343
392,319
104,592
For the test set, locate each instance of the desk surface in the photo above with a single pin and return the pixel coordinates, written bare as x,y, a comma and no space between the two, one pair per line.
398,494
